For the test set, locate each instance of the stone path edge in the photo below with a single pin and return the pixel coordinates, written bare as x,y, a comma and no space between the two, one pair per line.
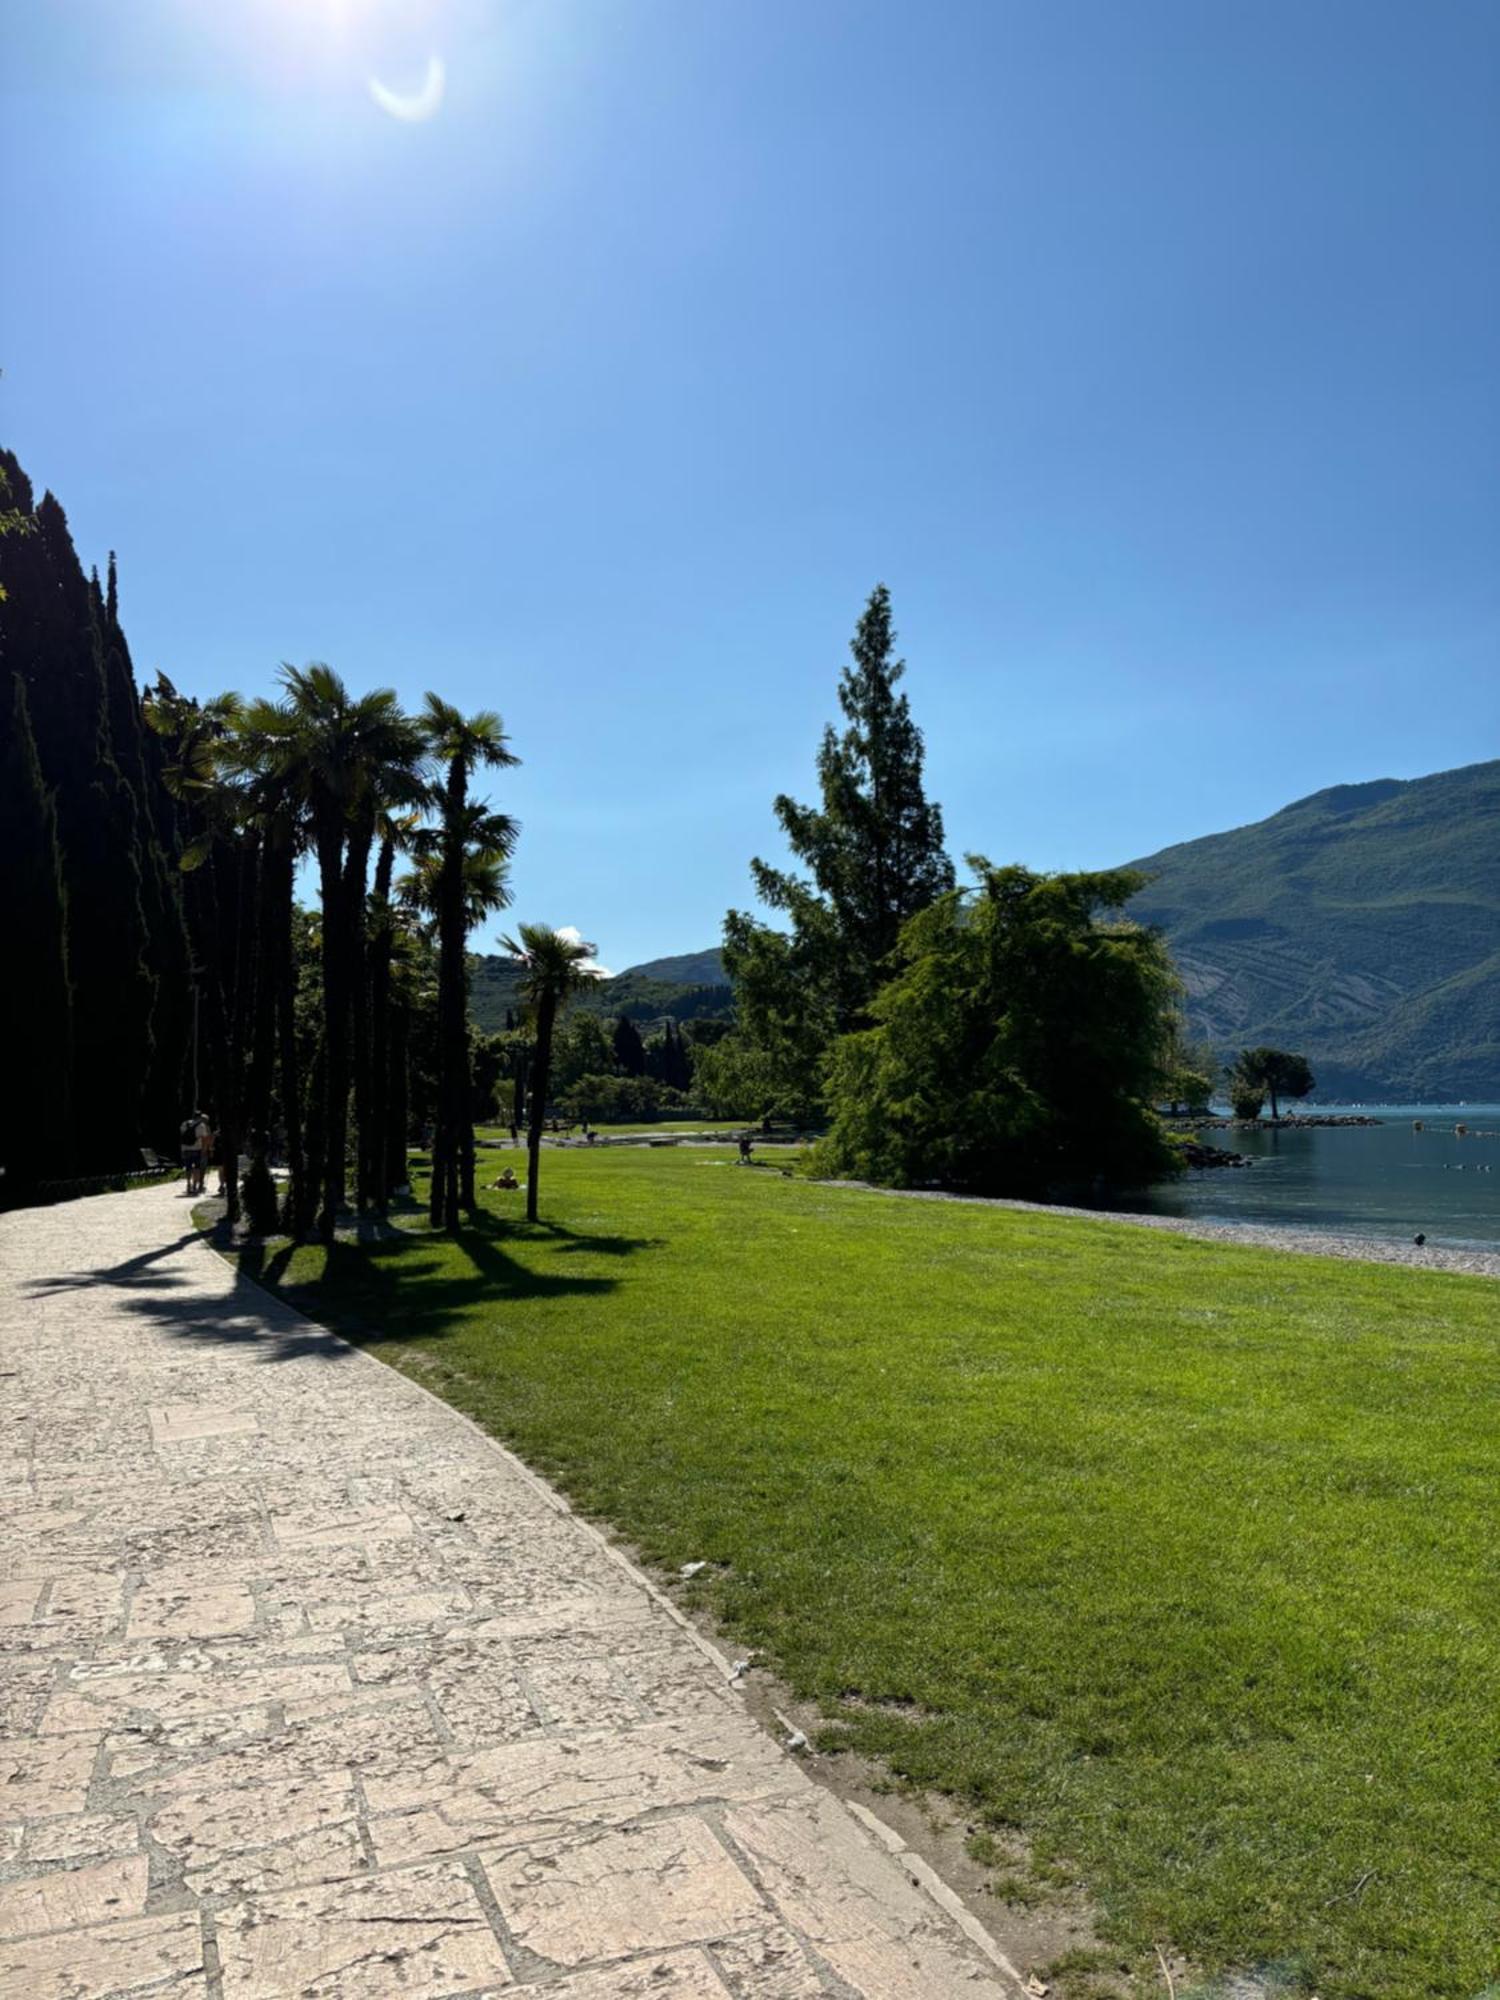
918,1870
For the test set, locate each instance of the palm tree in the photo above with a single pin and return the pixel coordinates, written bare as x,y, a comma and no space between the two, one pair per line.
263,750
554,968
382,1142
487,842
344,752
219,853
461,744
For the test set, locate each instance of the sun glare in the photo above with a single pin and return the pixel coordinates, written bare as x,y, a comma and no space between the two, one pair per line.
413,105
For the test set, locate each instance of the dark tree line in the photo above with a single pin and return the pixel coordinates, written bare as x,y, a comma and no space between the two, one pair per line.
96,990
160,961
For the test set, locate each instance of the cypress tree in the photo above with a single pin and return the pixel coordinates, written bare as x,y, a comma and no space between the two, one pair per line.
165,947
630,1050
53,644
35,999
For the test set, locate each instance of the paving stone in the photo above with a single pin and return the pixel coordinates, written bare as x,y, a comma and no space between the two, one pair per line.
399,1612
288,1639
177,1696
204,1611
181,1422
479,1694
25,1686
19,1597
42,1780
71,1897
323,1854
865,1918
579,1694
418,1933
768,1965
204,1823
666,1976
637,1889
82,1838
531,1791
387,1524
80,1607
108,1959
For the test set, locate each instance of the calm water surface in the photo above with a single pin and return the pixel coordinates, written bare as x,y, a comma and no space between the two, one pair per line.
1373,1180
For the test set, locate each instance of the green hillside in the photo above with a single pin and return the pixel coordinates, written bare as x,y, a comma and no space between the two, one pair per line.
643,992
1361,925
689,968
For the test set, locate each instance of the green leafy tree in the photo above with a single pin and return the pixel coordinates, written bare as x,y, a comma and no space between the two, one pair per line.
1187,1090
553,969
1018,1049
584,1047
1246,1100
872,852
622,1100
1273,1073
736,1078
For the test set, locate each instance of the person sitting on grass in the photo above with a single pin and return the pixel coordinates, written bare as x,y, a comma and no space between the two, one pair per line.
508,1180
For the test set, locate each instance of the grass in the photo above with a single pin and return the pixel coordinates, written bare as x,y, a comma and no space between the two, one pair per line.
664,1127
1179,1558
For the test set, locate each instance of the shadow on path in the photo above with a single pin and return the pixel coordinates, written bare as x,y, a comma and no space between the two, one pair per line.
395,1286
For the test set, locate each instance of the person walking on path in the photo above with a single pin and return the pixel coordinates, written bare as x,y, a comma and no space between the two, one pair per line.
194,1136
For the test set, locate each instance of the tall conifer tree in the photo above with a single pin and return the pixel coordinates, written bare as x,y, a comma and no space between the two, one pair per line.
873,854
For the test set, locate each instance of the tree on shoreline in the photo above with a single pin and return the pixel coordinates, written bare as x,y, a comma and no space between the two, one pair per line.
1019,1047
1274,1073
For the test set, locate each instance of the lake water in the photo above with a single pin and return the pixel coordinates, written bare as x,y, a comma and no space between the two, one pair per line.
1367,1180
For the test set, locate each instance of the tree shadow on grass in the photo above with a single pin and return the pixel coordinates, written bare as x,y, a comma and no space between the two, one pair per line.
409,1287
399,1286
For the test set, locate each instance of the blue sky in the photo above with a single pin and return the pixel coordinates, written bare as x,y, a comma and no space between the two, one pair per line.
1149,352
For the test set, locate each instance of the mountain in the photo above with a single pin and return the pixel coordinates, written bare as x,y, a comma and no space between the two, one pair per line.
1360,926
686,988
692,968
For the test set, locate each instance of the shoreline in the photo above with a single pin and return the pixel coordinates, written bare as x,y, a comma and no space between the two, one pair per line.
1473,1263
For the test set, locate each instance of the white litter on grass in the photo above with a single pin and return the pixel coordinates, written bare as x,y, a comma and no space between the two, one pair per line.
691,1569
796,1739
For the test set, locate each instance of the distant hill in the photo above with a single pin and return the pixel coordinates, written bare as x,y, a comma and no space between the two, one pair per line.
1360,926
686,988
692,968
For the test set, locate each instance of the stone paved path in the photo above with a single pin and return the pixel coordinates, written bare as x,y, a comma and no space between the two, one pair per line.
308,1689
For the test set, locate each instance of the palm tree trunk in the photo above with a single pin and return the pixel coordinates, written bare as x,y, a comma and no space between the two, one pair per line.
468,1199
335,1023
452,1025
541,1070
297,1214
375,1182
398,1104
356,870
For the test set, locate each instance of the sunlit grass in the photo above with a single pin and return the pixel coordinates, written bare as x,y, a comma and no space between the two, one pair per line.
1178,1557
664,1128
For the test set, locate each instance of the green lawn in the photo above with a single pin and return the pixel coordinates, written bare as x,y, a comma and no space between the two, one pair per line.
1180,1558
664,1127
